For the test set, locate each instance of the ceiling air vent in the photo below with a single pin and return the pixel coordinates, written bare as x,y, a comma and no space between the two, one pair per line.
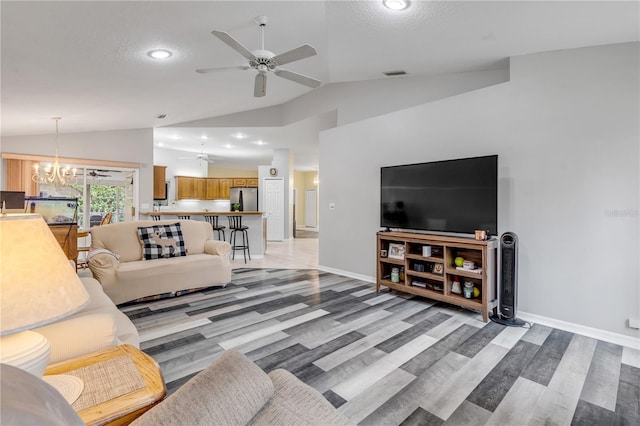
162,116
394,73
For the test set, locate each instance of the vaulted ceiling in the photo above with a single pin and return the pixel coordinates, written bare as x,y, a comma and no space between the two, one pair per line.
87,60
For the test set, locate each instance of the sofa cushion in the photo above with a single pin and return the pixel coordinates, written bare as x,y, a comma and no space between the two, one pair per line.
228,392
296,403
162,241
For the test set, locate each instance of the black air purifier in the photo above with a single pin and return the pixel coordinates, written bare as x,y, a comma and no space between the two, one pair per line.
508,291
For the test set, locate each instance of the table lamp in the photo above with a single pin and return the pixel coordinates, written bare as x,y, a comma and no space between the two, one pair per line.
38,286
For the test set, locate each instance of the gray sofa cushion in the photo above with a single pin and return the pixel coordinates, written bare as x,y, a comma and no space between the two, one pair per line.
296,403
228,392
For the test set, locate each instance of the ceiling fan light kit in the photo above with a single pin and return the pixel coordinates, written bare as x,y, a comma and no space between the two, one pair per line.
265,61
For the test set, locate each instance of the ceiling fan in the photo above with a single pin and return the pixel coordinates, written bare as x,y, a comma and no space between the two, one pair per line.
200,156
96,173
264,61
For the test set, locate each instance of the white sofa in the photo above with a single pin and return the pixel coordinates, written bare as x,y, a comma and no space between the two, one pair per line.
99,325
116,260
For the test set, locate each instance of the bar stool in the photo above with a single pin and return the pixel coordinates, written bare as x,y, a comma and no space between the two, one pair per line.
155,217
184,216
235,226
213,220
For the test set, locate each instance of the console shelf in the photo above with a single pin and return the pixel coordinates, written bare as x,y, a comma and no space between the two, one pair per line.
432,276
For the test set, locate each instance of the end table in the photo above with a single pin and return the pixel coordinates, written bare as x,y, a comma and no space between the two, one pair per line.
121,383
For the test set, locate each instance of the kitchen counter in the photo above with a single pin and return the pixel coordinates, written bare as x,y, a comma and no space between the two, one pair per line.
254,220
196,213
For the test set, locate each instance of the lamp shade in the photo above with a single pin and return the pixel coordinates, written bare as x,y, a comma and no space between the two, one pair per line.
37,284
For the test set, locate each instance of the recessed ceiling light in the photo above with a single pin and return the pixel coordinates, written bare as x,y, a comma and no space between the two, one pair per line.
260,142
160,144
159,53
228,145
204,137
396,4
239,135
175,137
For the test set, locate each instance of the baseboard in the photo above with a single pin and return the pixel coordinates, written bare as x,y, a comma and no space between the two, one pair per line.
607,336
347,274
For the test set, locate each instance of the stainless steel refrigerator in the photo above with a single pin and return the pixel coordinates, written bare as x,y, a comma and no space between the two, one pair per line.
246,197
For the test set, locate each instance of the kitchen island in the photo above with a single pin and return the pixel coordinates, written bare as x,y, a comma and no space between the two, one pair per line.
254,220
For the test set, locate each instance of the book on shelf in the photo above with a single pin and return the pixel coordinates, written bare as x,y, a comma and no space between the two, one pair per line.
419,284
475,271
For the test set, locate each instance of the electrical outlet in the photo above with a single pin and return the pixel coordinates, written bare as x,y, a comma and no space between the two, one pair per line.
633,323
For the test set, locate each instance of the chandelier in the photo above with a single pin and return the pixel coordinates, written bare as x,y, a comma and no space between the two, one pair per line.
53,173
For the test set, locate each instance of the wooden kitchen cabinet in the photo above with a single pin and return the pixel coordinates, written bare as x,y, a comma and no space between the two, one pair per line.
159,182
185,187
225,187
252,183
199,188
18,176
239,182
212,190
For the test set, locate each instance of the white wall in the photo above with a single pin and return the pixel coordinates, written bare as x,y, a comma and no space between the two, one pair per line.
566,131
135,146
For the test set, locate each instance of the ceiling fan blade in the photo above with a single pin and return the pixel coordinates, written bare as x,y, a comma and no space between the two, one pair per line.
298,78
296,54
216,69
260,88
233,43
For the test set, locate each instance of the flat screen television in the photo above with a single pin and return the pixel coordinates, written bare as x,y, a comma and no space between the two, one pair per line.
457,196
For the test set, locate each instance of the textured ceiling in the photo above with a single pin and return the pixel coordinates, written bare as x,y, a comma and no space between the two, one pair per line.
86,60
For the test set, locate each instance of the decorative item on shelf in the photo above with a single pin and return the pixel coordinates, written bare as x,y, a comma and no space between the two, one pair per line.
481,235
455,286
383,253
402,273
437,268
426,251
459,261
396,251
54,173
31,297
468,290
395,275
418,267
467,264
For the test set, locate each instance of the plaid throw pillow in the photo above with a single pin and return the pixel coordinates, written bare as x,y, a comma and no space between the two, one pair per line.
160,241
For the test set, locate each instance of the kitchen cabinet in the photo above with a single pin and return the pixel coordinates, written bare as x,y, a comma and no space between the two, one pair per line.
212,190
225,186
159,182
199,188
185,187
194,188
18,176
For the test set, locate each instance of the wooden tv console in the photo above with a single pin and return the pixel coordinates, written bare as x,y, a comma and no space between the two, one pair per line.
422,276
